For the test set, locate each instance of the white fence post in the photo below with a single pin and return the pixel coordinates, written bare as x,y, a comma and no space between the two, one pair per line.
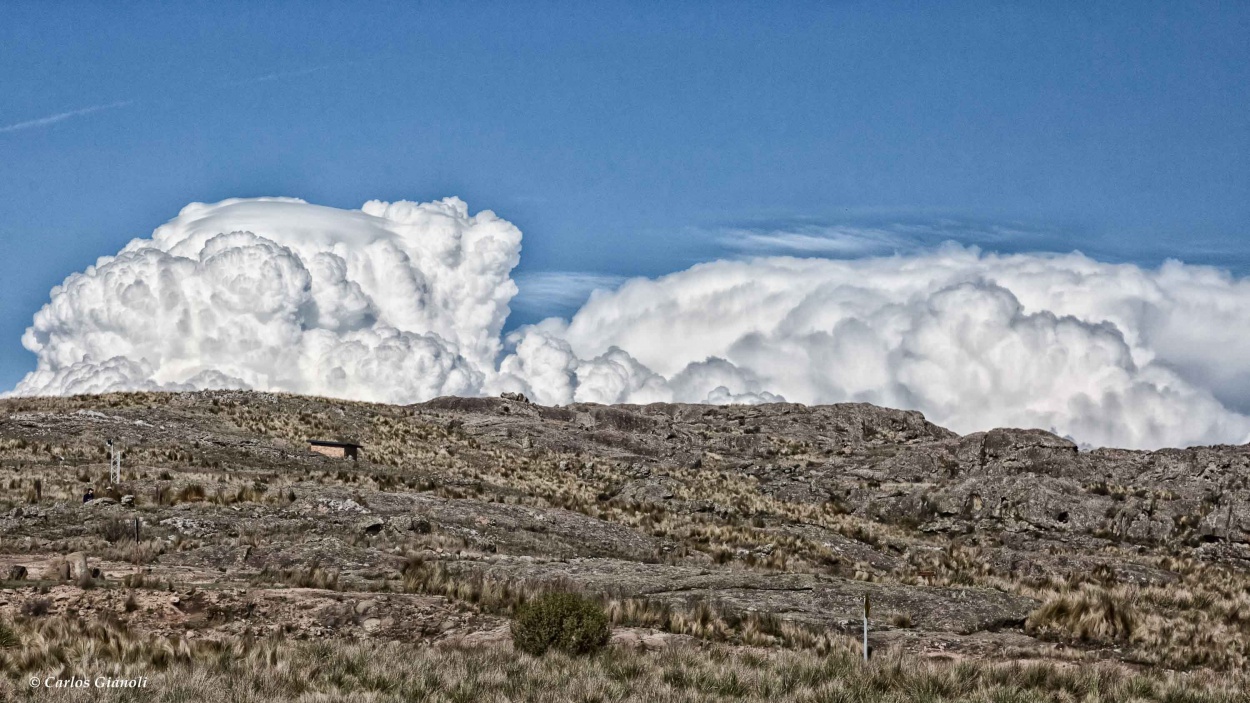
867,609
115,463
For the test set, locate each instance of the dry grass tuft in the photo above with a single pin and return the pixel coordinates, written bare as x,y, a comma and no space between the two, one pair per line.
311,576
1089,614
8,637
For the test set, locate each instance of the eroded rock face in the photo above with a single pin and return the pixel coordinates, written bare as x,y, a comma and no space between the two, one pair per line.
896,467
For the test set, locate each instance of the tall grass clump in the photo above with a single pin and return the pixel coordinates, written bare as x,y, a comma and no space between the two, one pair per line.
1089,614
8,638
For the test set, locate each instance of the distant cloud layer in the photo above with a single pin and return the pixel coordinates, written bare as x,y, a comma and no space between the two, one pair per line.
402,302
545,291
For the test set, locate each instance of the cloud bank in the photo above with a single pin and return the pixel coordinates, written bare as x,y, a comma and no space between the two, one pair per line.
401,302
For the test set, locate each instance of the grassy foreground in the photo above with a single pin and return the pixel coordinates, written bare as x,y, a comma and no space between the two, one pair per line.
274,670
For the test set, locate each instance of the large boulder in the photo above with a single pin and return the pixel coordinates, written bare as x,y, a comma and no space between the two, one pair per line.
78,566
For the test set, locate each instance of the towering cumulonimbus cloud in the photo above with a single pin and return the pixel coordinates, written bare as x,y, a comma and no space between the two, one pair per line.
392,302
402,302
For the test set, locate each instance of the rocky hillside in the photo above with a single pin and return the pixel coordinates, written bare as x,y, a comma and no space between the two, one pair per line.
753,525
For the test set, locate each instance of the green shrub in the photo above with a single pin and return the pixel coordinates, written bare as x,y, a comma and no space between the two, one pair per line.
564,621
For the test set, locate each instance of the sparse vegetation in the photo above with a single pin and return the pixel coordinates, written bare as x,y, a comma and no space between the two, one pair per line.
475,512
312,576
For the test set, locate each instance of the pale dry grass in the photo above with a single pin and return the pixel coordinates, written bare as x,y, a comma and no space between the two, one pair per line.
271,670
1201,620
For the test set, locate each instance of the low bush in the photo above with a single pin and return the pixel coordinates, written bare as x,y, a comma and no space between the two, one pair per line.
36,607
116,529
567,622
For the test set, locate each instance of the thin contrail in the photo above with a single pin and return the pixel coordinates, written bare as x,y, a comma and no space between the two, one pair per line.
62,116
278,75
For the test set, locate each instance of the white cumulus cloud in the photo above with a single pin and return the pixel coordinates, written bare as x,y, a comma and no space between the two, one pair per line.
401,302
1108,354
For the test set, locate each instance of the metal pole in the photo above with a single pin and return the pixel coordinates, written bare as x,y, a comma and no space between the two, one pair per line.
867,607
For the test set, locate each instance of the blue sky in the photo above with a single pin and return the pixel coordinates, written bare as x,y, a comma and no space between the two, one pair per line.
630,139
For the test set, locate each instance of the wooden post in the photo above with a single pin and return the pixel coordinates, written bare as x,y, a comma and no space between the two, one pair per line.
136,530
867,609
